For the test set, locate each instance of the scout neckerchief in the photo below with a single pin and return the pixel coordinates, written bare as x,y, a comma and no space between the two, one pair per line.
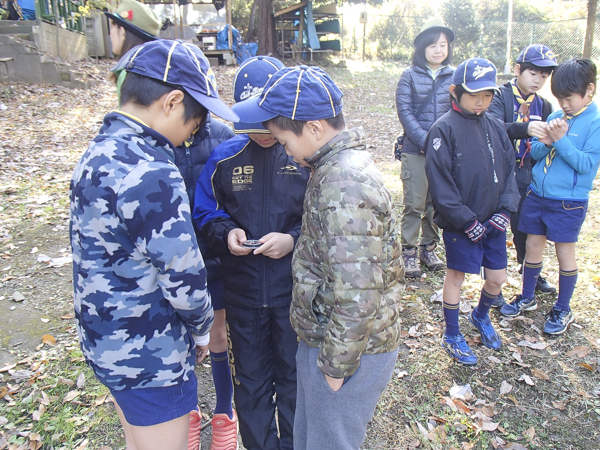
523,146
566,117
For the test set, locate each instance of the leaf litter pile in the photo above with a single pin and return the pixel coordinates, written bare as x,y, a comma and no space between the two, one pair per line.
537,391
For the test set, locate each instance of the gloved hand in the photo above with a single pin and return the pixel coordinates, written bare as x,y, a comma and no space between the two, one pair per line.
475,231
499,221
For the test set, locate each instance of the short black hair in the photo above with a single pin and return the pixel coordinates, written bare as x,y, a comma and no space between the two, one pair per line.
297,126
459,91
573,76
428,38
131,40
530,66
144,91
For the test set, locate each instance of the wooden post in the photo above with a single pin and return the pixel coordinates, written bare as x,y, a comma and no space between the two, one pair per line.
175,17
589,30
229,22
300,43
56,22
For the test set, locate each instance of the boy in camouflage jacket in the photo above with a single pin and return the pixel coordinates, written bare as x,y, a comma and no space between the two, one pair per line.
347,265
141,303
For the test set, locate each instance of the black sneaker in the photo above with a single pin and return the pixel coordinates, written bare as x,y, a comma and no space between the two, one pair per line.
544,286
499,301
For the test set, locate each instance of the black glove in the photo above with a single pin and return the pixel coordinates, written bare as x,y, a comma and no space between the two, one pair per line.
475,231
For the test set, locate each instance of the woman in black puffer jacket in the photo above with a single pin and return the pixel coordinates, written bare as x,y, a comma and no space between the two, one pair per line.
418,110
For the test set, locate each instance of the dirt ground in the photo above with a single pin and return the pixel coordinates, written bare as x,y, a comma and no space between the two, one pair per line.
536,392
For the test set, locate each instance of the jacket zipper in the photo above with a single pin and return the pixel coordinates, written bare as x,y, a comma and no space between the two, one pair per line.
266,182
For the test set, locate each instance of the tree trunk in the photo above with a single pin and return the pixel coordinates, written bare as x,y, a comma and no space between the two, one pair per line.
250,33
589,30
266,28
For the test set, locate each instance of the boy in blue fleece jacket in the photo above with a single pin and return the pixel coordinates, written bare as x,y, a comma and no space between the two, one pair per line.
557,199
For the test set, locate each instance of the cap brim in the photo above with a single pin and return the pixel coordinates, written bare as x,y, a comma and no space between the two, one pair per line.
250,111
214,105
447,31
541,63
249,128
479,86
130,27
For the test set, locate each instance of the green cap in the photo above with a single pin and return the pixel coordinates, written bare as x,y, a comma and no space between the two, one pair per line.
137,18
435,23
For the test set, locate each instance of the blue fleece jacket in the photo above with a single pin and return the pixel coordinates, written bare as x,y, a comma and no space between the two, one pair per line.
574,167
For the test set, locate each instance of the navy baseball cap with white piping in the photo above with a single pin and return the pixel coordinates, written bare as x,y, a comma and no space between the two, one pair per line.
539,55
298,93
249,81
475,75
182,66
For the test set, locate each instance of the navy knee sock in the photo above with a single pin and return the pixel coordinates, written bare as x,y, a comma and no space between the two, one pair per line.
451,318
222,379
566,285
485,303
531,272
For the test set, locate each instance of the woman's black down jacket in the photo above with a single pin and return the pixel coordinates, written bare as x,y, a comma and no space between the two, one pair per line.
413,88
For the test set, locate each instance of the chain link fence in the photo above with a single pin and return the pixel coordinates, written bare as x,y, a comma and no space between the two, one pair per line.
391,37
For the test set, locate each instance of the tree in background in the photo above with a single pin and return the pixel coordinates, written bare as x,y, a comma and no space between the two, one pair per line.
461,17
590,28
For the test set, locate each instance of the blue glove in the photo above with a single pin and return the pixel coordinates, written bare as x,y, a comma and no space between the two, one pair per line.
475,231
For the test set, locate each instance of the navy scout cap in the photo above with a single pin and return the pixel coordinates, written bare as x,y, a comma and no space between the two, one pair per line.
298,93
475,75
538,55
181,65
249,81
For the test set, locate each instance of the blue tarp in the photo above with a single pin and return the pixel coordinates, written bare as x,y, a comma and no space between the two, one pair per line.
241,50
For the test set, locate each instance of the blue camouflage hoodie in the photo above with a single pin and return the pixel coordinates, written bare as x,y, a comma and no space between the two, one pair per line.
138,276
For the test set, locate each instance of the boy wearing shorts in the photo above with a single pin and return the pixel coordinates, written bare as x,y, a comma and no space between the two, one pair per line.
249,205
557,199
347,265
469,165
142,309
524,113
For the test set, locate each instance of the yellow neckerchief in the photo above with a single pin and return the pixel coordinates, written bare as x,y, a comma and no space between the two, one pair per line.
523,112
550,156
131,116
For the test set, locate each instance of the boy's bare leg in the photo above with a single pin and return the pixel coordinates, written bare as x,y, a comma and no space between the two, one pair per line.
494,279
218,333
452,284
565,253
536,244
171,435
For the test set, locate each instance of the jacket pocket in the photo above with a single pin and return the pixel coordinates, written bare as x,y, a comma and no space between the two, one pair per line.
305,294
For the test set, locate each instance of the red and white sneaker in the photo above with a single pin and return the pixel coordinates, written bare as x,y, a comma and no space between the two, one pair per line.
225,431
194,430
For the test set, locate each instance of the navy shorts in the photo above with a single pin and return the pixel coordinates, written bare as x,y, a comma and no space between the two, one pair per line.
215,288
466,256
558,220
150,406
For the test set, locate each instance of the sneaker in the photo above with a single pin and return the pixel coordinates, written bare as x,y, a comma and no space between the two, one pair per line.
558,321
499,301
411,265
431,260
489,336
544,286
225,432
194,430
458,349
518,304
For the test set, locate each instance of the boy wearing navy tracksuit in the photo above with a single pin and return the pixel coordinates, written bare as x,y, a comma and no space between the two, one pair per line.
524,113
469,165
251,189
557,199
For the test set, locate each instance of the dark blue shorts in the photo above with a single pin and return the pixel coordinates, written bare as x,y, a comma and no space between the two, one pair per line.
215,288
466,256
150,406
558,220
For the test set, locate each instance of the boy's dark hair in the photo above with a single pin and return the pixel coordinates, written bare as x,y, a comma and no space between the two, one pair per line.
530,66
459,90
573,77
428,38
297,126
131,40
144,91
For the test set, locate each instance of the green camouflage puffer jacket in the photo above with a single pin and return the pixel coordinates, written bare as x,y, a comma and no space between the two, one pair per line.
347,264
